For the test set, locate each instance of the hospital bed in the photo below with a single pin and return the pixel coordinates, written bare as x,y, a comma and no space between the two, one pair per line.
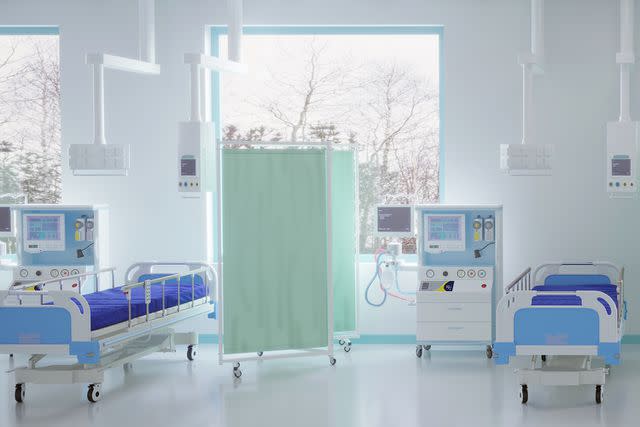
564,314
102,329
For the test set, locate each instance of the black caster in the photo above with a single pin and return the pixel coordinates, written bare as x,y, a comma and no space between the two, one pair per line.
419,351
427,347
332,360
489,352
236,370
20,393
341,342
347,348
191,352
543,357
599,394
93,393
260,353
524,394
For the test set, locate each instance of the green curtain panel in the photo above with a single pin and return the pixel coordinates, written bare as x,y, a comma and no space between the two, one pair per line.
344,241
274,250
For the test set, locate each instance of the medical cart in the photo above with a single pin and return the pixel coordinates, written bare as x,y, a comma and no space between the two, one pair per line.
459,275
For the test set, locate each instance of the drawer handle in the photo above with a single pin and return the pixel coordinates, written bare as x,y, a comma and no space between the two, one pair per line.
455,328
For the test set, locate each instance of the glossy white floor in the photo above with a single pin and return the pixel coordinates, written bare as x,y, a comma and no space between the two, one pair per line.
371,386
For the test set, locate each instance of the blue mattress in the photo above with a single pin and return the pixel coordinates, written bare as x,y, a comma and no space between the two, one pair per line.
111,307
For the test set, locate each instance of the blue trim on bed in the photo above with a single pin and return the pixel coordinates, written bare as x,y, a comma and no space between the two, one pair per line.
35,325
553,326
86,351
610,351
502,351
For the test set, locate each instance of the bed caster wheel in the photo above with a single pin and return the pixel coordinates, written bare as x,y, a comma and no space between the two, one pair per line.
93,393
524,394
543,357
599,394
419,351
427,347
347,348
260,353
489,352
20,393
332,360
341,342
128,367
236,370
191,353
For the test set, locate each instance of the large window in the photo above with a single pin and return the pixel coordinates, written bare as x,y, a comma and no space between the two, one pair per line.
376,88
30,157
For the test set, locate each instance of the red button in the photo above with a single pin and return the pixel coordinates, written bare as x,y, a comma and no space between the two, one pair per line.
484,285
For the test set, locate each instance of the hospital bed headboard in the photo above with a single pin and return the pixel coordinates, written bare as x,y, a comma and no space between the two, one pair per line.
139,269
592,269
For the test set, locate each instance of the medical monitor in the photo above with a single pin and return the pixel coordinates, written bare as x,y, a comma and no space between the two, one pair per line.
6,222
43,232
444,233
394,221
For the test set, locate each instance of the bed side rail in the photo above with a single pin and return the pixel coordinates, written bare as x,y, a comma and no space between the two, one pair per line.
520,283
576,267
204,271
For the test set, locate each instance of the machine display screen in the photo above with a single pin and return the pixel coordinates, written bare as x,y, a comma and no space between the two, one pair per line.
445,228
5,219
44,227
621,167
188,167
394,219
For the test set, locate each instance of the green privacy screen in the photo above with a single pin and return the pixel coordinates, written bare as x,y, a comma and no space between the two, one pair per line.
344,241
274,250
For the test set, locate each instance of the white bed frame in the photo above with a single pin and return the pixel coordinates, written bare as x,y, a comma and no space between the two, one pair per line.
563,364
116,345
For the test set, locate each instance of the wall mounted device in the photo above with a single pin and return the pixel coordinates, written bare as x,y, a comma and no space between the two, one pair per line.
101,158
529,157
195,157
394,221
622,135
456,290
58,241
622,149
444,232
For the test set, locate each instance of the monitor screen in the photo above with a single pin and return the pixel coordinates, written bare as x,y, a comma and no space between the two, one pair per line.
620,167
394,220
445,228
188,167
5,219
44,227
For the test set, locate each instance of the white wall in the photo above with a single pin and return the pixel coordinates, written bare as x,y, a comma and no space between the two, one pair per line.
566,216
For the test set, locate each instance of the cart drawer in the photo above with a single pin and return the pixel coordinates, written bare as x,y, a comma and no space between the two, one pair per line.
454,312
453,331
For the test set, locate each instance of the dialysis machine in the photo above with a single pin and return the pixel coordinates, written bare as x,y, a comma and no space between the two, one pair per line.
58,242
459,274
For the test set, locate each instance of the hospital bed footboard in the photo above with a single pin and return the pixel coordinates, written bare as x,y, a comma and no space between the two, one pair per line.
576,323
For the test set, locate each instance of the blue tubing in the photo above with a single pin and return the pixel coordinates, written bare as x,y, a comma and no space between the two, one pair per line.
373,279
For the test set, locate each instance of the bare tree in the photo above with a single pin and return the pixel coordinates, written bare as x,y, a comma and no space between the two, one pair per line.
386,109
30,91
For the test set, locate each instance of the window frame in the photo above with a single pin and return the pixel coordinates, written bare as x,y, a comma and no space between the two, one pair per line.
438,30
